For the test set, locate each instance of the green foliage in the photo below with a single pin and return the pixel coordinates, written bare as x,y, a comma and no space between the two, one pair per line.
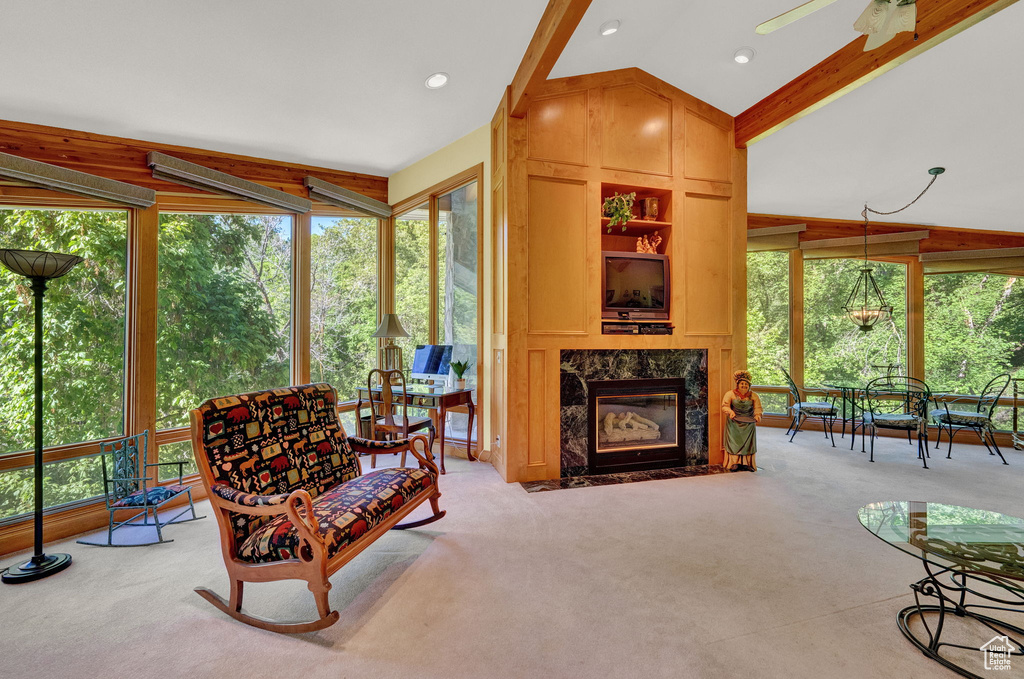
974,329
460,368
836,350
83,349
619,208
974,325
343,305
223,309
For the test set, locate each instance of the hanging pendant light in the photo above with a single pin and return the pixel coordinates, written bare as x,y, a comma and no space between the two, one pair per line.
866,304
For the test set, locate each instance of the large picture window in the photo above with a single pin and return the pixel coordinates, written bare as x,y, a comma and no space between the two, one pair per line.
223,324
768,324
837,351
83,363
974,330
412,279
343,303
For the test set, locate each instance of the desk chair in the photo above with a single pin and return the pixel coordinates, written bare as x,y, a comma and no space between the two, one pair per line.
384,407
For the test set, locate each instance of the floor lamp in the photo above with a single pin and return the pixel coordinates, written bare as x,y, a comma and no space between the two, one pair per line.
39,267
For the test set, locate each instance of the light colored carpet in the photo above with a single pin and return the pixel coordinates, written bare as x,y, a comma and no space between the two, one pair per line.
733,575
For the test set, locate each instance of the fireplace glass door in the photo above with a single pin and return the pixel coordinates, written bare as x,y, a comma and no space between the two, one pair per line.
635,424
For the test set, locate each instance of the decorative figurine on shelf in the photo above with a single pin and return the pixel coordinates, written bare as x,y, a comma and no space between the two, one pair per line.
649,245
743,409
619,209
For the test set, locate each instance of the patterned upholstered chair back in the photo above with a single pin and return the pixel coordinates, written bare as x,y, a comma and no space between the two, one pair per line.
273,442
126,458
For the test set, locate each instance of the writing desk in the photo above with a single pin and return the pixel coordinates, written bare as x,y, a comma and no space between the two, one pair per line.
437,400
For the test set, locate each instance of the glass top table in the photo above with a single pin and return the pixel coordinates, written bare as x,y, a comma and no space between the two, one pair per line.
973,540
974,565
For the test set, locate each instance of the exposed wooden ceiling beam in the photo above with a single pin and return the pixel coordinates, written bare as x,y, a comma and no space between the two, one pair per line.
552,35
851,66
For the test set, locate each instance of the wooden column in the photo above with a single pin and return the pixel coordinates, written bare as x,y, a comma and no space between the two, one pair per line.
301,292
385,275
796,316
915,318
434,284
140,325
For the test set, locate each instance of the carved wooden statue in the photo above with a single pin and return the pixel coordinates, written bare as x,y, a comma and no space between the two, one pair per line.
743,409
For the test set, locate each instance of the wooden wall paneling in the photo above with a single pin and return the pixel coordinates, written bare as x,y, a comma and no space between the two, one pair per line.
738,173
301,284
141,325
557,129
636,130
706,150
716,389
915,318
125,160
537,413
516,301
499,271
498,236
556,258
707,269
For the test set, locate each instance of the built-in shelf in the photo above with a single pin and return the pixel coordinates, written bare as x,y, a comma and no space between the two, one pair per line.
625,240
634,227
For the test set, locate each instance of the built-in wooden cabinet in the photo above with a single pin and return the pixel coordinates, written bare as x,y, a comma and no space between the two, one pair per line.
583,139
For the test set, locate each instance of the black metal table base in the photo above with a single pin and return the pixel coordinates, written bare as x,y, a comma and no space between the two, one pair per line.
951,587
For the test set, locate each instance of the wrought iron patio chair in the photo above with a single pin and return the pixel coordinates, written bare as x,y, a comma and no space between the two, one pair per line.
897,402
979,419
803,410
127,487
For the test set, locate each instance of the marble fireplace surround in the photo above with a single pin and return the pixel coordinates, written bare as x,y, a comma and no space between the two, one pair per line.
578,366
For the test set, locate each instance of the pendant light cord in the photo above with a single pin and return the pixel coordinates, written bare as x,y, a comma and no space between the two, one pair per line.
934,172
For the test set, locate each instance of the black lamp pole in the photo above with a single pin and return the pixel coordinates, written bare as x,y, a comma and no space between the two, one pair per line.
38,267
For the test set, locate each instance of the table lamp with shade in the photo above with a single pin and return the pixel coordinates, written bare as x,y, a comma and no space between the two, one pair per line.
389,328
39,267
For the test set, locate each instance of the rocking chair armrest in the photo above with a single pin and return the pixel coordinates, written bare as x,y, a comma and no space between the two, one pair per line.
248,501
368,447
130,478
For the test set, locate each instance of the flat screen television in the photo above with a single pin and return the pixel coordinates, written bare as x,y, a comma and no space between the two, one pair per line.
636,286
431,362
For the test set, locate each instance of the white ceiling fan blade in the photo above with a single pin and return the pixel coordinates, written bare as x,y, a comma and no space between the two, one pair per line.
791,16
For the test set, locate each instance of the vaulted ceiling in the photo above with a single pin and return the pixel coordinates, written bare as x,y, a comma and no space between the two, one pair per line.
341,85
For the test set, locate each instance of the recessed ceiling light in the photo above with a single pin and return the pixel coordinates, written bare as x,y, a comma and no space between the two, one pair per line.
437,80
609,27
743,55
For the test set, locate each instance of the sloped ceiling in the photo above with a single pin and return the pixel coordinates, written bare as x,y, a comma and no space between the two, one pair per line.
324,82
340,84
957,105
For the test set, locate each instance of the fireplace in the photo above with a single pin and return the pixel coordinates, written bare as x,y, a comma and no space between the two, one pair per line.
636,424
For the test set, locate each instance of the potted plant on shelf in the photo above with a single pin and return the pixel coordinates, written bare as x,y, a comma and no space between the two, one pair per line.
619,209
460,368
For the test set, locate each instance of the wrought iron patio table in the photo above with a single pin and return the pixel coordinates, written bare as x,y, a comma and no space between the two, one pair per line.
974,570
